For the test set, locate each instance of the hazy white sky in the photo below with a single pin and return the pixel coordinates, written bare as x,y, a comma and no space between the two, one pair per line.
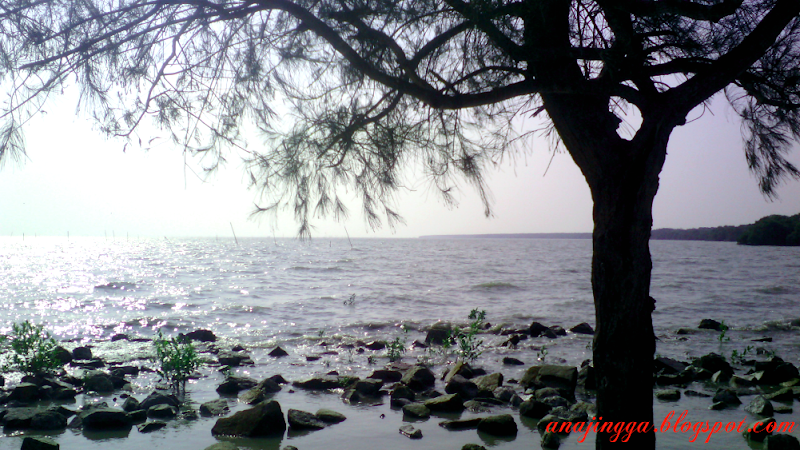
76,181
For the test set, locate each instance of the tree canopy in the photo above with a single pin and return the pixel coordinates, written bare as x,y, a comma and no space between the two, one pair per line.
347,92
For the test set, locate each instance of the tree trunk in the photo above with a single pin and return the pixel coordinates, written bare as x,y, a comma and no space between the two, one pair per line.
624,343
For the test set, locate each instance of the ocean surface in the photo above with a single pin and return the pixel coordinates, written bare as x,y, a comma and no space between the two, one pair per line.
317,296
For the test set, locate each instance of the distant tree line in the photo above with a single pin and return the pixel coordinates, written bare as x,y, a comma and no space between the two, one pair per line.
770,230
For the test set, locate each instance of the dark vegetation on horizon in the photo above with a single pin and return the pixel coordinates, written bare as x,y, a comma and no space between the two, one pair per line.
770,230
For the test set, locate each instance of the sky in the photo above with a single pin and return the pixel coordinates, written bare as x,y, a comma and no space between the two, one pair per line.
77,181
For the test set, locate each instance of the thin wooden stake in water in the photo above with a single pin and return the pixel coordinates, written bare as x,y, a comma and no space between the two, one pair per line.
234,233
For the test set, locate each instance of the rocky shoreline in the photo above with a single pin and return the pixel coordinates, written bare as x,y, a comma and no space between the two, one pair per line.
497,404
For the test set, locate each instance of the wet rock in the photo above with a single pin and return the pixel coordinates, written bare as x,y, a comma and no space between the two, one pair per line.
438,333
149,427
537,329
489,382
233,385
162,411
75,423
782,442
301,420
563,378
508,361
387,376
105,419
39,443
502,425
473,447
760,406
710,324
779,373
757,431
319,383
278,352
781,395
234,359
376,345
19,418
402,392
157,398
670,395
201,336
63,355
713,363
410,432
559,331
726,396
416,410
329,416
264,419
586,377
459,368
225,446
217,407
782,409
48,420
534,409
98,382
131,404
466,424
368,387
476,406
461,386
550,440
582,328
82,353
119,337
25,393
446,403
668,366
419,378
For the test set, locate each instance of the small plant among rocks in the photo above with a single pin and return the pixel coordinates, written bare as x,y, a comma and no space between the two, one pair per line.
177,359
469,346
33,350
396,348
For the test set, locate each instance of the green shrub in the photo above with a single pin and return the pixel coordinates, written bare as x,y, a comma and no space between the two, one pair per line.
396,348
177,359
33,350
469,346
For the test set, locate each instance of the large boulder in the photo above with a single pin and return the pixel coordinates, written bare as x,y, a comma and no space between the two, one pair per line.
489,382
461,386
82,353
234,385
202,336
105,419
39,443
419,378
157,398
19,418
502,425
25,393
48,420
264,419
534,409
216,407
438,333
446,403
319,383
563,378
713,363
782,442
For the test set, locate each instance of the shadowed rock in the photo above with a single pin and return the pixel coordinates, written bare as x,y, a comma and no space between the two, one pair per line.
264,419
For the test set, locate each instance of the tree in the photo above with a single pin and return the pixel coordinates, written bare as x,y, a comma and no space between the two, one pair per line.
376,85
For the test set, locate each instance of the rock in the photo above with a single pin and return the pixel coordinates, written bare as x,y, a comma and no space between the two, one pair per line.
376,345
668,366
260,392
82,353
119,337
149,427
416,410
459,368
368,387
781,395
162,411
98,382
278,352
387,376
402,392
19,418
466,424
64,411
713,363
234,359
502,425
39,443
48,420
476,406
446,403
138,416
25,393
301,420
563,378
760,406
439,332
157,398
217,407
75,423
586,377
105,419
726,396
671,395
131,404
473,447
757,431
419,378
234,385
559,331
534,409
778,373
489,382
319,383
264,419
62,354
582,328
411,432
225,446
710,324
782,442
782,409
461,386
550,440
329,416
508,361
537,329
201,336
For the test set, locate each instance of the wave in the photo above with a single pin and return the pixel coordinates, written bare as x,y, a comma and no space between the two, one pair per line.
117,285
774,290
496,285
